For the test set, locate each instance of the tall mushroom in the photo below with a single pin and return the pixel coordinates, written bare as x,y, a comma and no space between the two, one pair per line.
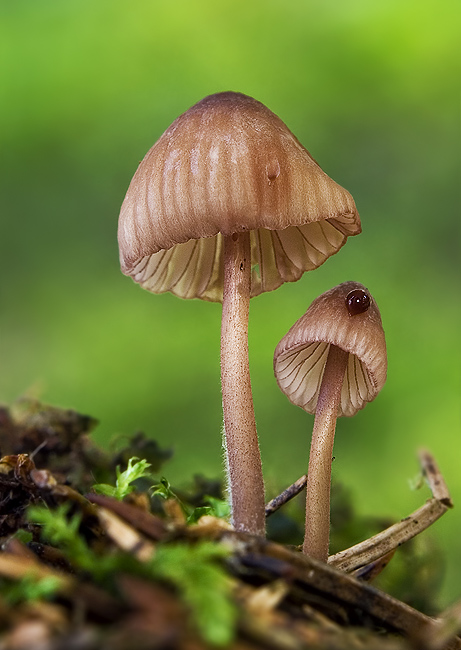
331,363
228,204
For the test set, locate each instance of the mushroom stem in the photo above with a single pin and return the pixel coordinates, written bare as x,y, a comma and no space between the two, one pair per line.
317,534
241,440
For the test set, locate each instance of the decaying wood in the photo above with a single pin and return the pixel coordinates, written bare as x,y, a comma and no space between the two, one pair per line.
144,521
125,536
309,581
285,600
447,625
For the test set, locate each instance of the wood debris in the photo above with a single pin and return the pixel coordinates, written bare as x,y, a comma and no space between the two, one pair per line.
283,599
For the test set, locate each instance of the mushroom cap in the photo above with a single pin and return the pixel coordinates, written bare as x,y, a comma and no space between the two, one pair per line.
300,357
229,165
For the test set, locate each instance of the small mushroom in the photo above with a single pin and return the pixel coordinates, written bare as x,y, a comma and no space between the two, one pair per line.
331,363
228,204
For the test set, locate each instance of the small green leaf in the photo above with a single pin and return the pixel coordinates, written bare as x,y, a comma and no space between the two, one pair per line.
123,485
197,513
105,489
163,490
23,536
216,508
219,507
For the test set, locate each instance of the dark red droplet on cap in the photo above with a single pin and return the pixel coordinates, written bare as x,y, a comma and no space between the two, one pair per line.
357,302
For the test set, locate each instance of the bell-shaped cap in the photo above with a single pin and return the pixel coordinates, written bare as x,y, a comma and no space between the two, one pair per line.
229,165
346,316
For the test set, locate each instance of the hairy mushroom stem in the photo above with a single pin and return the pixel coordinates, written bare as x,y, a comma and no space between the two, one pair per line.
241,441
317,534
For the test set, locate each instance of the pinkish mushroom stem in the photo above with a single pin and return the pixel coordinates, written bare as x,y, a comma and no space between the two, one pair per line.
317,534
241,440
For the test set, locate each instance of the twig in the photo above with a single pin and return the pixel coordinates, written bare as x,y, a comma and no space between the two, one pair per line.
434,478
447,625
368,572
16,567
144,521
313,579
286,495
375,547
125,536
387,540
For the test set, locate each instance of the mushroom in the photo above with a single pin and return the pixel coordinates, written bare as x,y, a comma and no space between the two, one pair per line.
331,363
228,204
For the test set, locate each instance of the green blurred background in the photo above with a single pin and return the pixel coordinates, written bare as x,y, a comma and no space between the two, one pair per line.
370,88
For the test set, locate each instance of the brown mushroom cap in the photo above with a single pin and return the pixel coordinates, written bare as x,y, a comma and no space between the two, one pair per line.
300,357
228,165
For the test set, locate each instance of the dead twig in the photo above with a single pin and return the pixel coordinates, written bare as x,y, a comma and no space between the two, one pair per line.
384,542
286,495
434,478
315,580
125,536
447,625
16,567
144,521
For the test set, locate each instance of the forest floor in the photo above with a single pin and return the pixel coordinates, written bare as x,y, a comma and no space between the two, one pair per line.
99,553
